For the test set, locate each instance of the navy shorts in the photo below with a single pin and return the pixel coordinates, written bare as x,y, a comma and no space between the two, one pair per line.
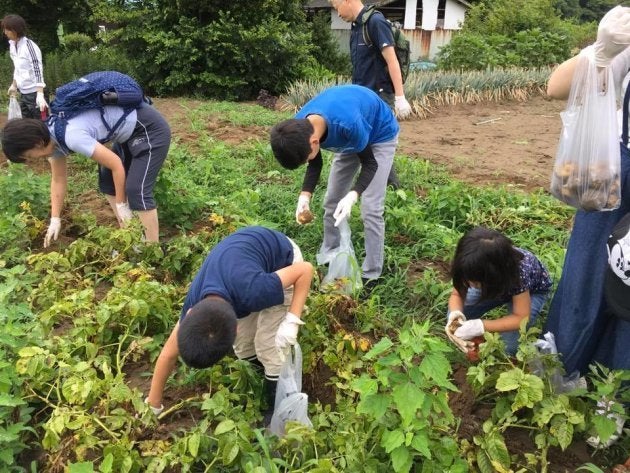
142,155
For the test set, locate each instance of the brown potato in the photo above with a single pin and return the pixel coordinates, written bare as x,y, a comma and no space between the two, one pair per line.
306,216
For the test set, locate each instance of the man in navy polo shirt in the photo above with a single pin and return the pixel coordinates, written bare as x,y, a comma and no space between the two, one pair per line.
374,61
362,131
248,295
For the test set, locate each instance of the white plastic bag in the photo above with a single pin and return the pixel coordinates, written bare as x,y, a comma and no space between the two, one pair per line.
291,404
14,108
343,269
560,383
587,166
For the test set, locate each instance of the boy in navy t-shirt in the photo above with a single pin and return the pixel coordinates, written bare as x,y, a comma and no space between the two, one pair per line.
354,123
248,295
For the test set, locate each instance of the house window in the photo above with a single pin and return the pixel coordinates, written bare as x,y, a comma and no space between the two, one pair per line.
394,11
441,9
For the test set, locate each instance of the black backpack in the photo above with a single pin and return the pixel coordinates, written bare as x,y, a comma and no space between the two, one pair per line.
401,44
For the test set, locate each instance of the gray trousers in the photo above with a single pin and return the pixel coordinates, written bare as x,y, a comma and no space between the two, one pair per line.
372,202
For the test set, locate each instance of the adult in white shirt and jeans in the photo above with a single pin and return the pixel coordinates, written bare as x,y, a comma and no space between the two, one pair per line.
28,72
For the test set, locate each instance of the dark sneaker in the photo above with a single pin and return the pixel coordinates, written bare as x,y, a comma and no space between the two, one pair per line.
392,180
368,287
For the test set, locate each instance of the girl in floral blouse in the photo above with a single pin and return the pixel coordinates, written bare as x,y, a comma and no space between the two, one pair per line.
488,271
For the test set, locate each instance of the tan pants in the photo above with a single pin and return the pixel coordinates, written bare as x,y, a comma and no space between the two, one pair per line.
256,333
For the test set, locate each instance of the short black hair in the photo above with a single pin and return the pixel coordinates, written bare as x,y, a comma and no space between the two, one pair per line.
21,135
290,142
206,334
489,258
14,23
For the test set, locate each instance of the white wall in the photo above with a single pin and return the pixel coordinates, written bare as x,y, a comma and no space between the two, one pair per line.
429,14
454,15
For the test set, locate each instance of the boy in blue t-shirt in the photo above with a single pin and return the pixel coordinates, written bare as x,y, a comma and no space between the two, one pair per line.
362,131
241,298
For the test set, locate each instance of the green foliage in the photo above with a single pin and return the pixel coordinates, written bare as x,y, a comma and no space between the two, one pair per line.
77,42
215,51
507,17
527,395
62,66
526,48
326,48
507,33
404,395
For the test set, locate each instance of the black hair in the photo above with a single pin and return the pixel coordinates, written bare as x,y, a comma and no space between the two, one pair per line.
207,332
489,258
14,23
290,142
21,135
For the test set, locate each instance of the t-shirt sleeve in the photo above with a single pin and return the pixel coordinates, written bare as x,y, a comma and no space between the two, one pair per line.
380,31
80,141
260,291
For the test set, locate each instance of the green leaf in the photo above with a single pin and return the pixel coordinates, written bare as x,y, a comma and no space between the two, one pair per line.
483,462
193,444
420,443
408,399
562,431
6,400
436,366
375,405
604,426
498,453
365,385
401,460
224,426
230,452
83,467
107,464
392,439
382,346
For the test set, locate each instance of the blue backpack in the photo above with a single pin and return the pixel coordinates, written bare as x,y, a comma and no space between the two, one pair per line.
93,91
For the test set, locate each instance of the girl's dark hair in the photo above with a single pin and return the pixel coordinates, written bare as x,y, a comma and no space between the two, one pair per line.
14,23
290,142
21,135
489,258
206,334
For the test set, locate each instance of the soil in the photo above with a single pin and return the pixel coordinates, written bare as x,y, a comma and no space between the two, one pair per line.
506,143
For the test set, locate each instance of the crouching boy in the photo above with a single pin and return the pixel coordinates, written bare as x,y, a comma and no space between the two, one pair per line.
248,295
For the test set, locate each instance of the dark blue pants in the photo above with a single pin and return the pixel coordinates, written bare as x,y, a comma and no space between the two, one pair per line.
584,328
142,155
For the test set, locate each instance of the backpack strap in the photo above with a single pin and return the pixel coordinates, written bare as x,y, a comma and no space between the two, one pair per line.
367,14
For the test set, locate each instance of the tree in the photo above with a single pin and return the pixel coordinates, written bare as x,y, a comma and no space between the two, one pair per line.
43,17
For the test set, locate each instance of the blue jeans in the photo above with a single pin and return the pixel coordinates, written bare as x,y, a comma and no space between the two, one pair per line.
473,309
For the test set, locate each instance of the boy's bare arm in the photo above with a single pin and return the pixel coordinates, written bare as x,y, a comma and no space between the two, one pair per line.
298,275
163,368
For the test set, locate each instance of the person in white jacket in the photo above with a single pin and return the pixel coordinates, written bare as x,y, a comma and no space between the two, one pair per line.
28,70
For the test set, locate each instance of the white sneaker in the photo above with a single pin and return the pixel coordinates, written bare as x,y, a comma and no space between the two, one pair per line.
604,406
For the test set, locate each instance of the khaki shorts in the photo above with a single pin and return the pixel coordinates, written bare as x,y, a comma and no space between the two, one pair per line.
256,333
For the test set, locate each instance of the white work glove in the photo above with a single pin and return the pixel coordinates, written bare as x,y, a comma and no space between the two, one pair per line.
302,205
456,316
470,329
287,332
53,231
402,107
123,211
613,35
41,102
12,90
344,207
156,410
